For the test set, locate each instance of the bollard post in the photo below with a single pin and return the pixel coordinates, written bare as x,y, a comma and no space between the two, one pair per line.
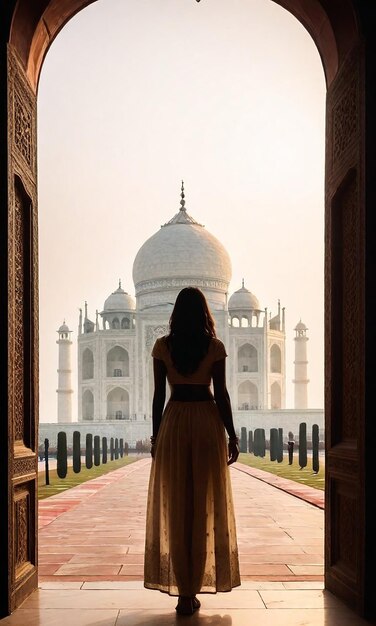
46,468
290,445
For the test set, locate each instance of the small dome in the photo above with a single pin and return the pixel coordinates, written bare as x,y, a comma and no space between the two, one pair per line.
64,328
119,301
243,299
300,326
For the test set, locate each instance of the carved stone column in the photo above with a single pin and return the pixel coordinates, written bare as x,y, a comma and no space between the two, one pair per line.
22,335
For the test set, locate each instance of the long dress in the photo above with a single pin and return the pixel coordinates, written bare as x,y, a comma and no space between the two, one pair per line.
191,544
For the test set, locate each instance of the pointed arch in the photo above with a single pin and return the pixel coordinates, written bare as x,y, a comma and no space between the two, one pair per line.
118,404
275,359
247,358
117,362
247,396
87,405
275,396
87,364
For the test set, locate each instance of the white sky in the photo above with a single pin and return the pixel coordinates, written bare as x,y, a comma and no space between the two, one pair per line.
133,97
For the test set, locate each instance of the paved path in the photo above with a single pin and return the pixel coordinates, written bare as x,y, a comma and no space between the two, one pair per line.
95,532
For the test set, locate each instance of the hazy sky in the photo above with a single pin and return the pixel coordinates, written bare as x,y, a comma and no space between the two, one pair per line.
135,96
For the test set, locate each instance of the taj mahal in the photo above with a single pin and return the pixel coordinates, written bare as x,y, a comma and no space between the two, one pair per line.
115,373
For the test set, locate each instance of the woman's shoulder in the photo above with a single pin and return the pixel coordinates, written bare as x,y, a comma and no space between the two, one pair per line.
217,349
160,347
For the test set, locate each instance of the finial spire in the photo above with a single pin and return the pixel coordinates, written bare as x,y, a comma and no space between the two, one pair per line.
242,283
182,195
119,283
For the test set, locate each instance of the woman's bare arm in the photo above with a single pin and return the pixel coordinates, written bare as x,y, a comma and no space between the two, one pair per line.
222,400
159,396
222,397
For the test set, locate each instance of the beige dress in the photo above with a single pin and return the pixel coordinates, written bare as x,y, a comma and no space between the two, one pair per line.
190,525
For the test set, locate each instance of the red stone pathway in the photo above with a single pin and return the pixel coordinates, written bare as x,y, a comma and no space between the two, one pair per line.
95,532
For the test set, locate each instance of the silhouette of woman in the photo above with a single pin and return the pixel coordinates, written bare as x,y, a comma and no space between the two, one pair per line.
191,542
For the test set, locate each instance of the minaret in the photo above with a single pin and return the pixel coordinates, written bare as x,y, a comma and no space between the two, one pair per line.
64,391
301,365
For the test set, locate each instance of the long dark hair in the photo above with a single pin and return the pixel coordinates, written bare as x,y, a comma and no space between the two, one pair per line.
191,328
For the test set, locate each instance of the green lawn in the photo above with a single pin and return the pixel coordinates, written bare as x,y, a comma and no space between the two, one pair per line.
57,485
292,472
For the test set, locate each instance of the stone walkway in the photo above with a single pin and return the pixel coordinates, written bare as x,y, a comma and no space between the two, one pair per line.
91,554
95,532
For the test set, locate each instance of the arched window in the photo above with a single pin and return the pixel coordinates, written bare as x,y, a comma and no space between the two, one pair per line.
247,396
87,364
118,404
87,405
247,358
125,322
115,323
235,322
275,396
245,322
275,359
117,362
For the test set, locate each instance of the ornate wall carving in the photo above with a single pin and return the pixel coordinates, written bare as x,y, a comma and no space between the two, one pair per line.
152,333
22,530
172,283
22,129
19,314
25,466
22,332
345,120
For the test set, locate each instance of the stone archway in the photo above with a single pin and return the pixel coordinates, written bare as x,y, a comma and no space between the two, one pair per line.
344,35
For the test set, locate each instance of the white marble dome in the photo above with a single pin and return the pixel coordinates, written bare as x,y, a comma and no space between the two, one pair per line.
119,301
64,328
243,299
181,253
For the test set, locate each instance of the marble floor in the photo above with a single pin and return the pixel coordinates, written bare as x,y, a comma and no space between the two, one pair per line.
128,604
91,543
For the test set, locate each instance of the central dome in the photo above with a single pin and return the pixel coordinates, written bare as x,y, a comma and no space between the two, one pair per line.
182,253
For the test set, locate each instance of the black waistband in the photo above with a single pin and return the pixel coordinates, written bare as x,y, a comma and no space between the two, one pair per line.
191,393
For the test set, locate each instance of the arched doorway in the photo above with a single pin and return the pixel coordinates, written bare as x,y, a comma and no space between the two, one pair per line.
247,396
275,396
117,362
118,404
87,364
341,35
87,405
247,358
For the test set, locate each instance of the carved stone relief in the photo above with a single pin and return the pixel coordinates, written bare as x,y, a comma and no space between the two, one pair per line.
153,333
19,316
22,467
22,526
345,120
22,119
343,113
166,283
22,129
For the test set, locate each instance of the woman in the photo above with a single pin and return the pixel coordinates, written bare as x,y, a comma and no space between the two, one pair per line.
190,528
